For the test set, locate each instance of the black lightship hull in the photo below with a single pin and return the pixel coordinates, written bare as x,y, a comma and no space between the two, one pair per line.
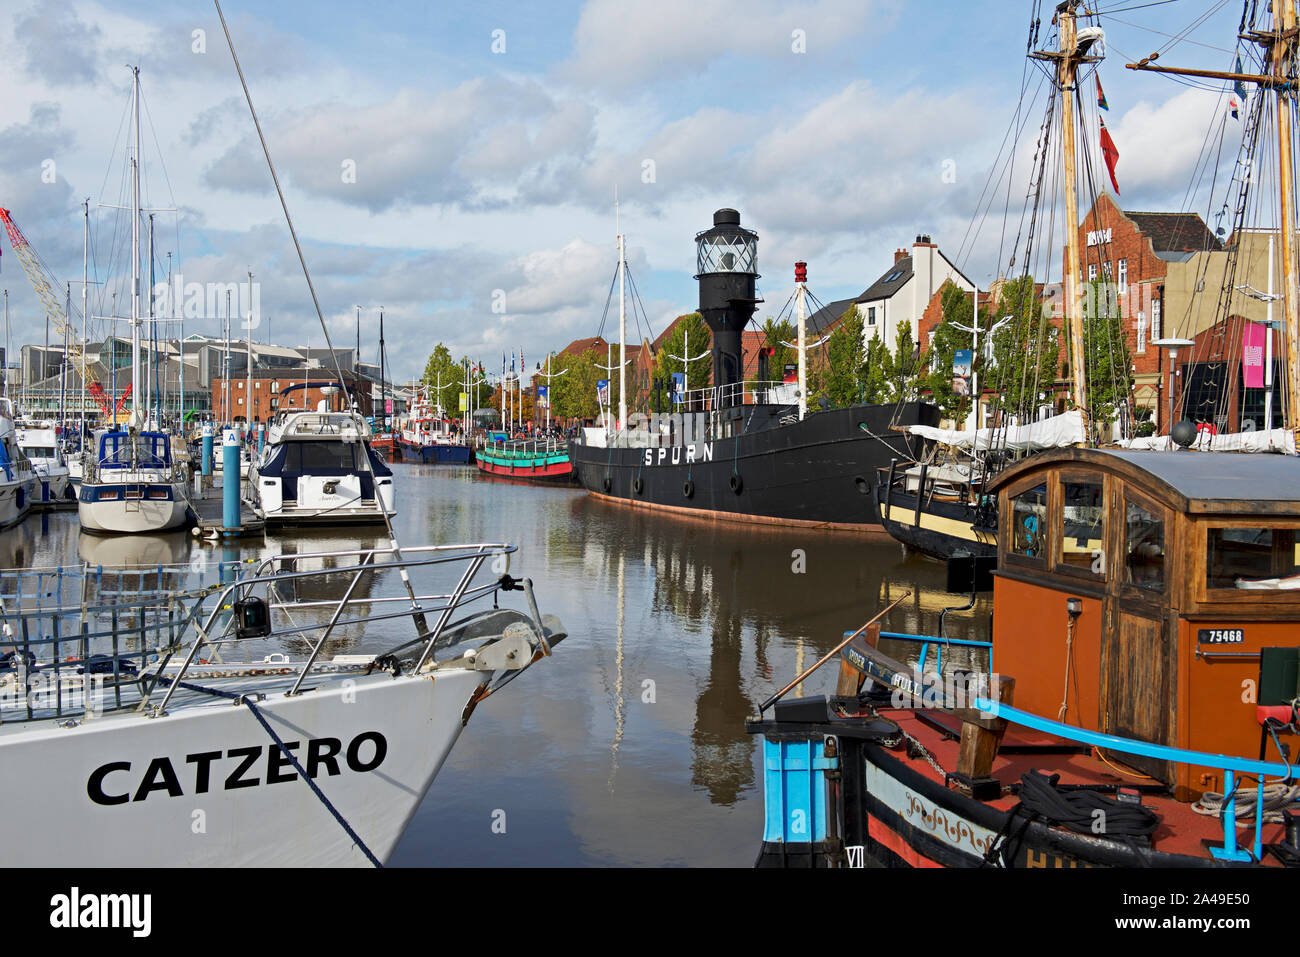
819,472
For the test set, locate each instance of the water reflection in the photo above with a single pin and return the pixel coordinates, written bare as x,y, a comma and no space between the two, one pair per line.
129,551
589,768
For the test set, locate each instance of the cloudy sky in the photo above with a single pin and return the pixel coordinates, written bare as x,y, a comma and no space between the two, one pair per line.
442,159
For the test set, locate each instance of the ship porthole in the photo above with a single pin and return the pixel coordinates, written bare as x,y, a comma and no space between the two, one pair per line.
737,483
637,485
606,484
688,488
861,483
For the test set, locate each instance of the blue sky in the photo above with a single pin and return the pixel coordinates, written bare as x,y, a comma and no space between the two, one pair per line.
479,172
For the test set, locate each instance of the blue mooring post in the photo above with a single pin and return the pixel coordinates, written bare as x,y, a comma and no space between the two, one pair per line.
230,480
207,448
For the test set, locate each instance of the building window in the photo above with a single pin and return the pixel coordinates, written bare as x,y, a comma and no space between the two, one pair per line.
871,315
1106,270
241,400
1123,276
275,386
275,403
1155,318
1141,333
1092,272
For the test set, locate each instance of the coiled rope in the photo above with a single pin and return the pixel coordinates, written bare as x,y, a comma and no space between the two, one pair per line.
1276,799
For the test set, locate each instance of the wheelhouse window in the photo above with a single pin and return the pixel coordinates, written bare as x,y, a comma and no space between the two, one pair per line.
1028,522
328,456
1083,535
1249,557
1144,547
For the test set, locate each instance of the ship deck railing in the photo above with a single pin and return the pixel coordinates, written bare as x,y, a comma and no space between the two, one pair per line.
1232,766
519,448
752,392
77,652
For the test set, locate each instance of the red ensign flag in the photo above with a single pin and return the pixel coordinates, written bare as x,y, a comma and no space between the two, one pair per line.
1111,155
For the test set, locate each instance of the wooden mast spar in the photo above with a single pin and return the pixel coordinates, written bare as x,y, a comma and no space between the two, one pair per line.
1281,45
1068,59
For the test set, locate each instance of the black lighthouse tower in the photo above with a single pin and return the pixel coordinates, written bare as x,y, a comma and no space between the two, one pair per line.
727,266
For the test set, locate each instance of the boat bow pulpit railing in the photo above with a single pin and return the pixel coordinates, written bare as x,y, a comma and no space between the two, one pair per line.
122,631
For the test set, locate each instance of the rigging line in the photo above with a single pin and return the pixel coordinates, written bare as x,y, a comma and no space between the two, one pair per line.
417,617
1141,6
962,253
600,332
1138,26
1001,169
1194,25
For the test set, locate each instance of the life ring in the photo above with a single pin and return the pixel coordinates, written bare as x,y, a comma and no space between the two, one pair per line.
737,483
638,486
688,488
606,484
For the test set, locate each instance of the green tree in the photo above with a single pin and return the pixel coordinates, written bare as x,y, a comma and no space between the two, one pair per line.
1026,350
442,368
838,379
875,383
691,332
573,395
775,334
904,367
947,340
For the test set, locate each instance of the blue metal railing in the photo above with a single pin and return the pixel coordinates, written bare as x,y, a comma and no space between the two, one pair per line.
1230,765
927,640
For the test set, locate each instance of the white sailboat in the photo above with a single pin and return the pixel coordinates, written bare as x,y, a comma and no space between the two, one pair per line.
132,484
17,480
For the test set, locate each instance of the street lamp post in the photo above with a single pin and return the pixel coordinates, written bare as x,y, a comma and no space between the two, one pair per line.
1172,344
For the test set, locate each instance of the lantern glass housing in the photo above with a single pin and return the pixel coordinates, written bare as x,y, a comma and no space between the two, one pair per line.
726,248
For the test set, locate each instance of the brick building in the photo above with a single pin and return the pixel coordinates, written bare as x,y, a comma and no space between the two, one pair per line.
273,391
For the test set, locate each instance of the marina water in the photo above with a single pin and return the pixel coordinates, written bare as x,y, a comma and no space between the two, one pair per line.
629,748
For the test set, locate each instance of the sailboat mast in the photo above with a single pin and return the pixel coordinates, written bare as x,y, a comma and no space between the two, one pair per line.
85,278
135,241
1284,24
248,361
153,333
1067,75
622,337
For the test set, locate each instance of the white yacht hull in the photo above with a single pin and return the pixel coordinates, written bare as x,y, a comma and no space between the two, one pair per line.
207,786
15,501
54,484
134,516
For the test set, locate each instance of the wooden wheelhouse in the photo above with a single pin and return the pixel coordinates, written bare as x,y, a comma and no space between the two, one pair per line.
1136,591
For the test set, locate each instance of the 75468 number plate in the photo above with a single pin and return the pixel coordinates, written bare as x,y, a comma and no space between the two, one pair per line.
1220,636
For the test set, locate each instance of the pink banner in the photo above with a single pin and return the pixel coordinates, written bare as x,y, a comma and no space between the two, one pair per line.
1252,355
